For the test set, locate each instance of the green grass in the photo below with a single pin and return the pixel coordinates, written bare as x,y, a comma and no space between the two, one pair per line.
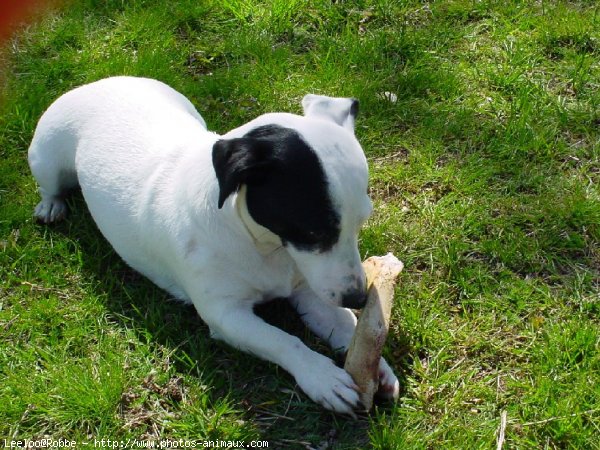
485,177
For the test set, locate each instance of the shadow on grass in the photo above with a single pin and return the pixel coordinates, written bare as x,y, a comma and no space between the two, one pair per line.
266,394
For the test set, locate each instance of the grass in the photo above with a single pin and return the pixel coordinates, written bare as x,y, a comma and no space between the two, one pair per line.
485,176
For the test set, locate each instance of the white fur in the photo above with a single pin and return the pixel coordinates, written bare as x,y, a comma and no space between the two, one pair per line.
142,156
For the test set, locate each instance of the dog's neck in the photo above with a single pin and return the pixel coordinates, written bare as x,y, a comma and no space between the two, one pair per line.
265,241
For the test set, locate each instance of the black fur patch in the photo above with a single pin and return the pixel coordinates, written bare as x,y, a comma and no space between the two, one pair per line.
354,108
287,189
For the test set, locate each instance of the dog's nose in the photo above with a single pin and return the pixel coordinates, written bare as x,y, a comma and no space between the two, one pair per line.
355,299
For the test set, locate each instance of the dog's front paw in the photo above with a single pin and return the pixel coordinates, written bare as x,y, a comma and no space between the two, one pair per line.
389,387
329,386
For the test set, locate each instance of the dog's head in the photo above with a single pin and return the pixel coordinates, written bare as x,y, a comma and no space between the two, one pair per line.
304,182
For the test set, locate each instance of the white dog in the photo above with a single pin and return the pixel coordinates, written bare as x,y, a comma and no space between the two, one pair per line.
271,209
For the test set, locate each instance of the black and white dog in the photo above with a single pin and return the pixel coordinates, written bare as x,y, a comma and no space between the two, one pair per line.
271,209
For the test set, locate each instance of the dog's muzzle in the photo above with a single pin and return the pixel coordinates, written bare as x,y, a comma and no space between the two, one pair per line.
354,298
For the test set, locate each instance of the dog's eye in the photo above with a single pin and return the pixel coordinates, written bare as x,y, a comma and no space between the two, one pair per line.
312,236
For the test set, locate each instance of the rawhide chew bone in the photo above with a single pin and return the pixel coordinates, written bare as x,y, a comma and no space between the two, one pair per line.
364,352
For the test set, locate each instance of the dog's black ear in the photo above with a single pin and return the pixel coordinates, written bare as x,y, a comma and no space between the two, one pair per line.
240,161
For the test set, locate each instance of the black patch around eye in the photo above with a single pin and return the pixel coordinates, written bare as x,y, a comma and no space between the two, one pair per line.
293,200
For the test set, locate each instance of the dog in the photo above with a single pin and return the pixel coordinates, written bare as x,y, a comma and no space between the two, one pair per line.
271,209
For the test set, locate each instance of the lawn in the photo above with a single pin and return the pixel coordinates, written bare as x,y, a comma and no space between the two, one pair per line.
485,173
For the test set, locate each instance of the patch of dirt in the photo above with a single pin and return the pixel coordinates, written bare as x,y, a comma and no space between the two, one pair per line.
146,407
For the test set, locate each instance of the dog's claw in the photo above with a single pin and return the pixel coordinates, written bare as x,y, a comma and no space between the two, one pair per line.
349,405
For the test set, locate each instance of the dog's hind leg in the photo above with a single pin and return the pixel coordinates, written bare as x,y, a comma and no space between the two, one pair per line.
52,162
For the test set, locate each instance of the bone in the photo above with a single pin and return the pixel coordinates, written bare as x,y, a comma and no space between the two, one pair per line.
364,352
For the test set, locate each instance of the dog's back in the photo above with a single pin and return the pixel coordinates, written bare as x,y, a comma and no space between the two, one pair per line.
116,138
